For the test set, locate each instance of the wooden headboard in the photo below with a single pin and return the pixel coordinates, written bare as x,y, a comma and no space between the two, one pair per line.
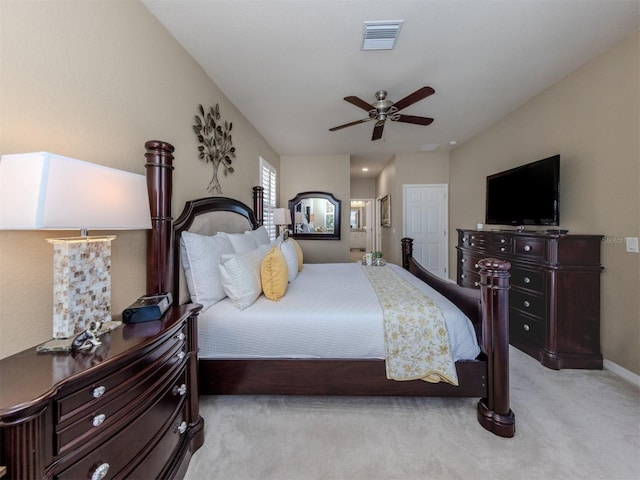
206,216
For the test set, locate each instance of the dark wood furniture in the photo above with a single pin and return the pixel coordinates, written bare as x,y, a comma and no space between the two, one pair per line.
295,209
128,409
555,291
486,377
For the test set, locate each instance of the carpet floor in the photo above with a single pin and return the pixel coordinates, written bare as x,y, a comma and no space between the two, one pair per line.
570,424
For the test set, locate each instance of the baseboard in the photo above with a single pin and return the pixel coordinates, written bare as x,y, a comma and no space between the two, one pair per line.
623,372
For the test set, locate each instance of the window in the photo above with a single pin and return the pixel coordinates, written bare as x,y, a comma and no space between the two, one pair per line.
268,177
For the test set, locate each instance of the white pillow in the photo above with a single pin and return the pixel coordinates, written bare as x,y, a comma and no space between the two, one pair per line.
277,241
291,257
260,236
200,256
241,243
240,273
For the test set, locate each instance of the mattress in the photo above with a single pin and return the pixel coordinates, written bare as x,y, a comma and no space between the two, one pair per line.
329,311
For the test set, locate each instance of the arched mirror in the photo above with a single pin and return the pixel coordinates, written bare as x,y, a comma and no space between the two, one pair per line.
316,216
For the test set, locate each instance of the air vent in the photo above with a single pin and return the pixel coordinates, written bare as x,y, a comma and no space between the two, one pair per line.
381,35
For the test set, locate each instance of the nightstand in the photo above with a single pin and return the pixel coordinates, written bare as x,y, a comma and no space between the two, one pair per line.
129,408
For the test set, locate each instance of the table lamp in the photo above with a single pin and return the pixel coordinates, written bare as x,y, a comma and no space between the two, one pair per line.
282,218
45,191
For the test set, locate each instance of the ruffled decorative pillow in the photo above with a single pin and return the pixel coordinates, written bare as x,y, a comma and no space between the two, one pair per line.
274,274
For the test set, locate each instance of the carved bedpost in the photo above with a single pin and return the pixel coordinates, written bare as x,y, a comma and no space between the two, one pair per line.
159,238
494,412
407,251
258,204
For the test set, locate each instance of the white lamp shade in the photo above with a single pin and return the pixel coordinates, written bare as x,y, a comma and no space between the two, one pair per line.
46,191
281,216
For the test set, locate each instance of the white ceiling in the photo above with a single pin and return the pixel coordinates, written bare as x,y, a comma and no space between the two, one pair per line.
287,64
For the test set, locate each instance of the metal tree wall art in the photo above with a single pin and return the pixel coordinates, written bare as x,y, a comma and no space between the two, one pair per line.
216,145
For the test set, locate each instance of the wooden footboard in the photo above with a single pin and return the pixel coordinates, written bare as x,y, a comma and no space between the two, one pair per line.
488,310
330,377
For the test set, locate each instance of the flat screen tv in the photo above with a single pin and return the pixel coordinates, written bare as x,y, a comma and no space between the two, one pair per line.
525,195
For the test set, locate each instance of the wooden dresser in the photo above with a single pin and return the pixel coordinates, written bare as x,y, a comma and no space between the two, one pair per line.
554,313
128,409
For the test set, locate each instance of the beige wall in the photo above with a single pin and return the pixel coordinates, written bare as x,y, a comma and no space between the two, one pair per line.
362,188
94,81
591,118
329,173
407,169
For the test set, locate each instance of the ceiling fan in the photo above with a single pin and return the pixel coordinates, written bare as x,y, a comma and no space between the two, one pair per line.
383,109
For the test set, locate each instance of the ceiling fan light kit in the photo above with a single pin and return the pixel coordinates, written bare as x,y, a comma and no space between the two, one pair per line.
383,109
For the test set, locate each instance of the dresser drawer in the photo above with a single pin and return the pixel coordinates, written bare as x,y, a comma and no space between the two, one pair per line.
91,425
475,239
90,397
468,271
470,279
153,464
527,303
530,247
529,279
139,433
525,330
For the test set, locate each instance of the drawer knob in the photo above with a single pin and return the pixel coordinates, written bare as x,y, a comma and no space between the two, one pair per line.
502,240
100,472
526,303
526,327
502,249
180,355
477,284
179,390
527,280
527,248
477,266
462,276
464,260
181,336
99,391
98,420
182,428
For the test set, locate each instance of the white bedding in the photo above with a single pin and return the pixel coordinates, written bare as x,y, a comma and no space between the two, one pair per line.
329,311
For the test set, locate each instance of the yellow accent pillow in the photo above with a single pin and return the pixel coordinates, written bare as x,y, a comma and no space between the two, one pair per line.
274,275
299,252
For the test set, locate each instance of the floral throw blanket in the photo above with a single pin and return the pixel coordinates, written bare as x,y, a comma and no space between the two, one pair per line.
416,338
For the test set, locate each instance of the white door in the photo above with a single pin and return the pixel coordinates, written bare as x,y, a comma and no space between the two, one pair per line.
426,221
370,225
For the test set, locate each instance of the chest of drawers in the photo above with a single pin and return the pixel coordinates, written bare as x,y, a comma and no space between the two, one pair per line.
554,299
128,409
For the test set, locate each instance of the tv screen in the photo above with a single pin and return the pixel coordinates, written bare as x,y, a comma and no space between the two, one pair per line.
525,195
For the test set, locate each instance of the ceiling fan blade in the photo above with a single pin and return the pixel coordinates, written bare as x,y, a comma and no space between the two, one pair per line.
416,96
414,119
377,131
358,102
350,124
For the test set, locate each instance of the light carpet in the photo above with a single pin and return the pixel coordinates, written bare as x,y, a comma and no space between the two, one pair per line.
570,424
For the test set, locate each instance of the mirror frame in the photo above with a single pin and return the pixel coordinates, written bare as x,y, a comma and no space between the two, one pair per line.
337,205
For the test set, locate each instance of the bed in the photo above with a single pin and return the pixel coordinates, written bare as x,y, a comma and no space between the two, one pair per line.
310,372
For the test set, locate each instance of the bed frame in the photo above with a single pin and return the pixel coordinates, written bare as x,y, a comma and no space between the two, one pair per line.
486,377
